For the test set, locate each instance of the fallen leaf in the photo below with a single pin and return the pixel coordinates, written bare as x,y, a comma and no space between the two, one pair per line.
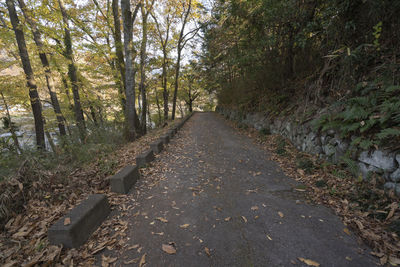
280,214
131,261
170,248
133,247
394,261
348,258
393,208
347,231
269,237
227,219
254,208
142,260
244,219
184,226
162,219
105,261
67,221
207,250
309,262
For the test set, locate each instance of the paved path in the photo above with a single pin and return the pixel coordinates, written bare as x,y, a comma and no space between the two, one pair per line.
227,205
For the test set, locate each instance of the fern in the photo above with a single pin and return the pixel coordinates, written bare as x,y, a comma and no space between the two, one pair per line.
388,132
374,111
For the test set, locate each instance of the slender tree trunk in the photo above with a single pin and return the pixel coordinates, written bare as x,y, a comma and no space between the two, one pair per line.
164,43
128,20
165,86
181,44
176,85
12,130
142,85
119,51
72,73
30,79
158,107
46,65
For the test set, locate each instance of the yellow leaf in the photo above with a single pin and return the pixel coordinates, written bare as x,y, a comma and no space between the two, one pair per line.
347,231
280,214
207,250
244,219
309,262
67,221
186,225
269,237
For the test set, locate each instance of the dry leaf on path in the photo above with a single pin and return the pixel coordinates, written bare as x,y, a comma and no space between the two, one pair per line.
131,261
207,251
394,261
254,208
170,248
269,237
309,262
184,226
393,208
105,261
142,260
227,219
162,219
280,214
67,221
244,219
347,231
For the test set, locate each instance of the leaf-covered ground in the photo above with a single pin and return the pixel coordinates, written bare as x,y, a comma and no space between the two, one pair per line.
48,195
214,197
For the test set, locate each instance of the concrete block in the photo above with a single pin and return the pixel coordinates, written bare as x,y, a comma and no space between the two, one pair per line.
84,220
157,146
122,181
145,158
165,138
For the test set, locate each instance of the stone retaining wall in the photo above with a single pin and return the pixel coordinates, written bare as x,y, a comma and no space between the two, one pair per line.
327,145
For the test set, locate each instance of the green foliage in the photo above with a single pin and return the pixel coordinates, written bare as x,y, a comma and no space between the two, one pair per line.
281,146
372,114
351,165
264,131
305,164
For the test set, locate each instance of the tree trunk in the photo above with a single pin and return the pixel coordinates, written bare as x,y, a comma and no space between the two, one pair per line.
164,43
128,20
30,79
72,73
164,82
142,85
12,130
177,69
45,63
158,106
119,51
181,44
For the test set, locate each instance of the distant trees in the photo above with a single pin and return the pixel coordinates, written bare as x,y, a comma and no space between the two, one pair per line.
89,54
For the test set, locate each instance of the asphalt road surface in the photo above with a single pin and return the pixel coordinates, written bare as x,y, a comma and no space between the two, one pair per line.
215,198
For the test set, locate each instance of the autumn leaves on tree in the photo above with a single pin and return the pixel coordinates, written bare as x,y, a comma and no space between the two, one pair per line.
97,52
